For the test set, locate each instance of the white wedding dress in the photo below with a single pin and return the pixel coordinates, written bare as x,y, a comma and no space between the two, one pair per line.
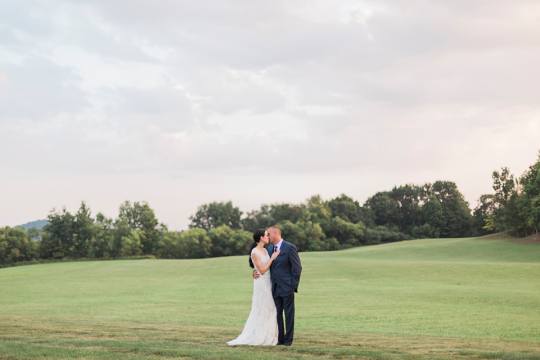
261,326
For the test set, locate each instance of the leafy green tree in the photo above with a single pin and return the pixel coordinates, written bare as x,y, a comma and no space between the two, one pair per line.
15,246
425,231
290,212
222,241
258,219
349,234
195,244
456,212
435,220
307,234
102,244
58,235
227,242
382,234
34,234
407,200
320,213
504,186
121,229
241,242
140,216
131,244
310,236
486,206
273,214
384,209
514,219
529,200
171,245
83,232
346,208
209,216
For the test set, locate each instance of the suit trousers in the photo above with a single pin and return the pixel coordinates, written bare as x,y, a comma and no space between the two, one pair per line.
285,303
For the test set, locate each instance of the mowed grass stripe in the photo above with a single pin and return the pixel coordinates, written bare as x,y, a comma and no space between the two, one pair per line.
30,338
455,289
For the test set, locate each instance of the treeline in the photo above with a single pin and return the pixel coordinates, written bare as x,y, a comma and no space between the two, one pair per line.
432,210
404,213
135,232
220,229
315,225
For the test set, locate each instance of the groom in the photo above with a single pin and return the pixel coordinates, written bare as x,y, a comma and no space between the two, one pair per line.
285,273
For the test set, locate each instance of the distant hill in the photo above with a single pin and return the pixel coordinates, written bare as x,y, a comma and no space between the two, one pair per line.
38,224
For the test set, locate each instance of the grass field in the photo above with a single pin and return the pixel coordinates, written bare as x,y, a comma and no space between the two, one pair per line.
422,299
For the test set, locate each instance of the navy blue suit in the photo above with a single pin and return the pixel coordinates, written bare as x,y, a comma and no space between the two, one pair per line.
285,273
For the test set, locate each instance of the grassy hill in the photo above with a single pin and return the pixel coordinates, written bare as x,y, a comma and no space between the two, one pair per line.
420,299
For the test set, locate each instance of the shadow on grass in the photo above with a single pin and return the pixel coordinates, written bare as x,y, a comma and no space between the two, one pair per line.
500,355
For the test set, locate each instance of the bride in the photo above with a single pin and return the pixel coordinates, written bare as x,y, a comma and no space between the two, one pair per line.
261,326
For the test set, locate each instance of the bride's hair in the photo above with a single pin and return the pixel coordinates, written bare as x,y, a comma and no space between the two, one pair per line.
256,238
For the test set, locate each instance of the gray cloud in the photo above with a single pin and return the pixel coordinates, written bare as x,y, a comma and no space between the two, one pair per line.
39,89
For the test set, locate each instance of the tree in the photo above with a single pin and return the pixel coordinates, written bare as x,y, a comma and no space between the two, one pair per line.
320,213
131,244
310,235
273,214
503,184
434,217
241,242
306,234
346,208
529,199
425,231
195,244
209,216
282,212
140,216
15,246
83,232
222,241
58,235
349,234
456,212
171,245
102,244
121,230
407,201
384,209
34,234
487,205
258,219
381,234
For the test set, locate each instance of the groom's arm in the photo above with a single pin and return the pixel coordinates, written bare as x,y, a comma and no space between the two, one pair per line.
296,266
256,274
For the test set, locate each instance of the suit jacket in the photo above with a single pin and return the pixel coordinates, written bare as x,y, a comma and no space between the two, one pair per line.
286,269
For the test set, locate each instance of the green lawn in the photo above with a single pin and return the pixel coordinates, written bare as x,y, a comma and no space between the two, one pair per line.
422,299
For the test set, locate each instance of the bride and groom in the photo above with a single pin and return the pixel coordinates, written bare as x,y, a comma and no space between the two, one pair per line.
276,278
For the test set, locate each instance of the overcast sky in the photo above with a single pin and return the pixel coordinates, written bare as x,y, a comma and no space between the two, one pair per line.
181,103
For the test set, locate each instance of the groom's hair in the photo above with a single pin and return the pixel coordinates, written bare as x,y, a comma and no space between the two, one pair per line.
275,227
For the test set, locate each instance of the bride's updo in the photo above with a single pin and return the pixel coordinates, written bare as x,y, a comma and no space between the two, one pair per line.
257,235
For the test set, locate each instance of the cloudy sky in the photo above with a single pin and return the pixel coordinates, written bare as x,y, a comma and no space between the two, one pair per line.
180,103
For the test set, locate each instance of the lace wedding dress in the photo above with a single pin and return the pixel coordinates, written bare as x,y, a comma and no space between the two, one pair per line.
261,325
